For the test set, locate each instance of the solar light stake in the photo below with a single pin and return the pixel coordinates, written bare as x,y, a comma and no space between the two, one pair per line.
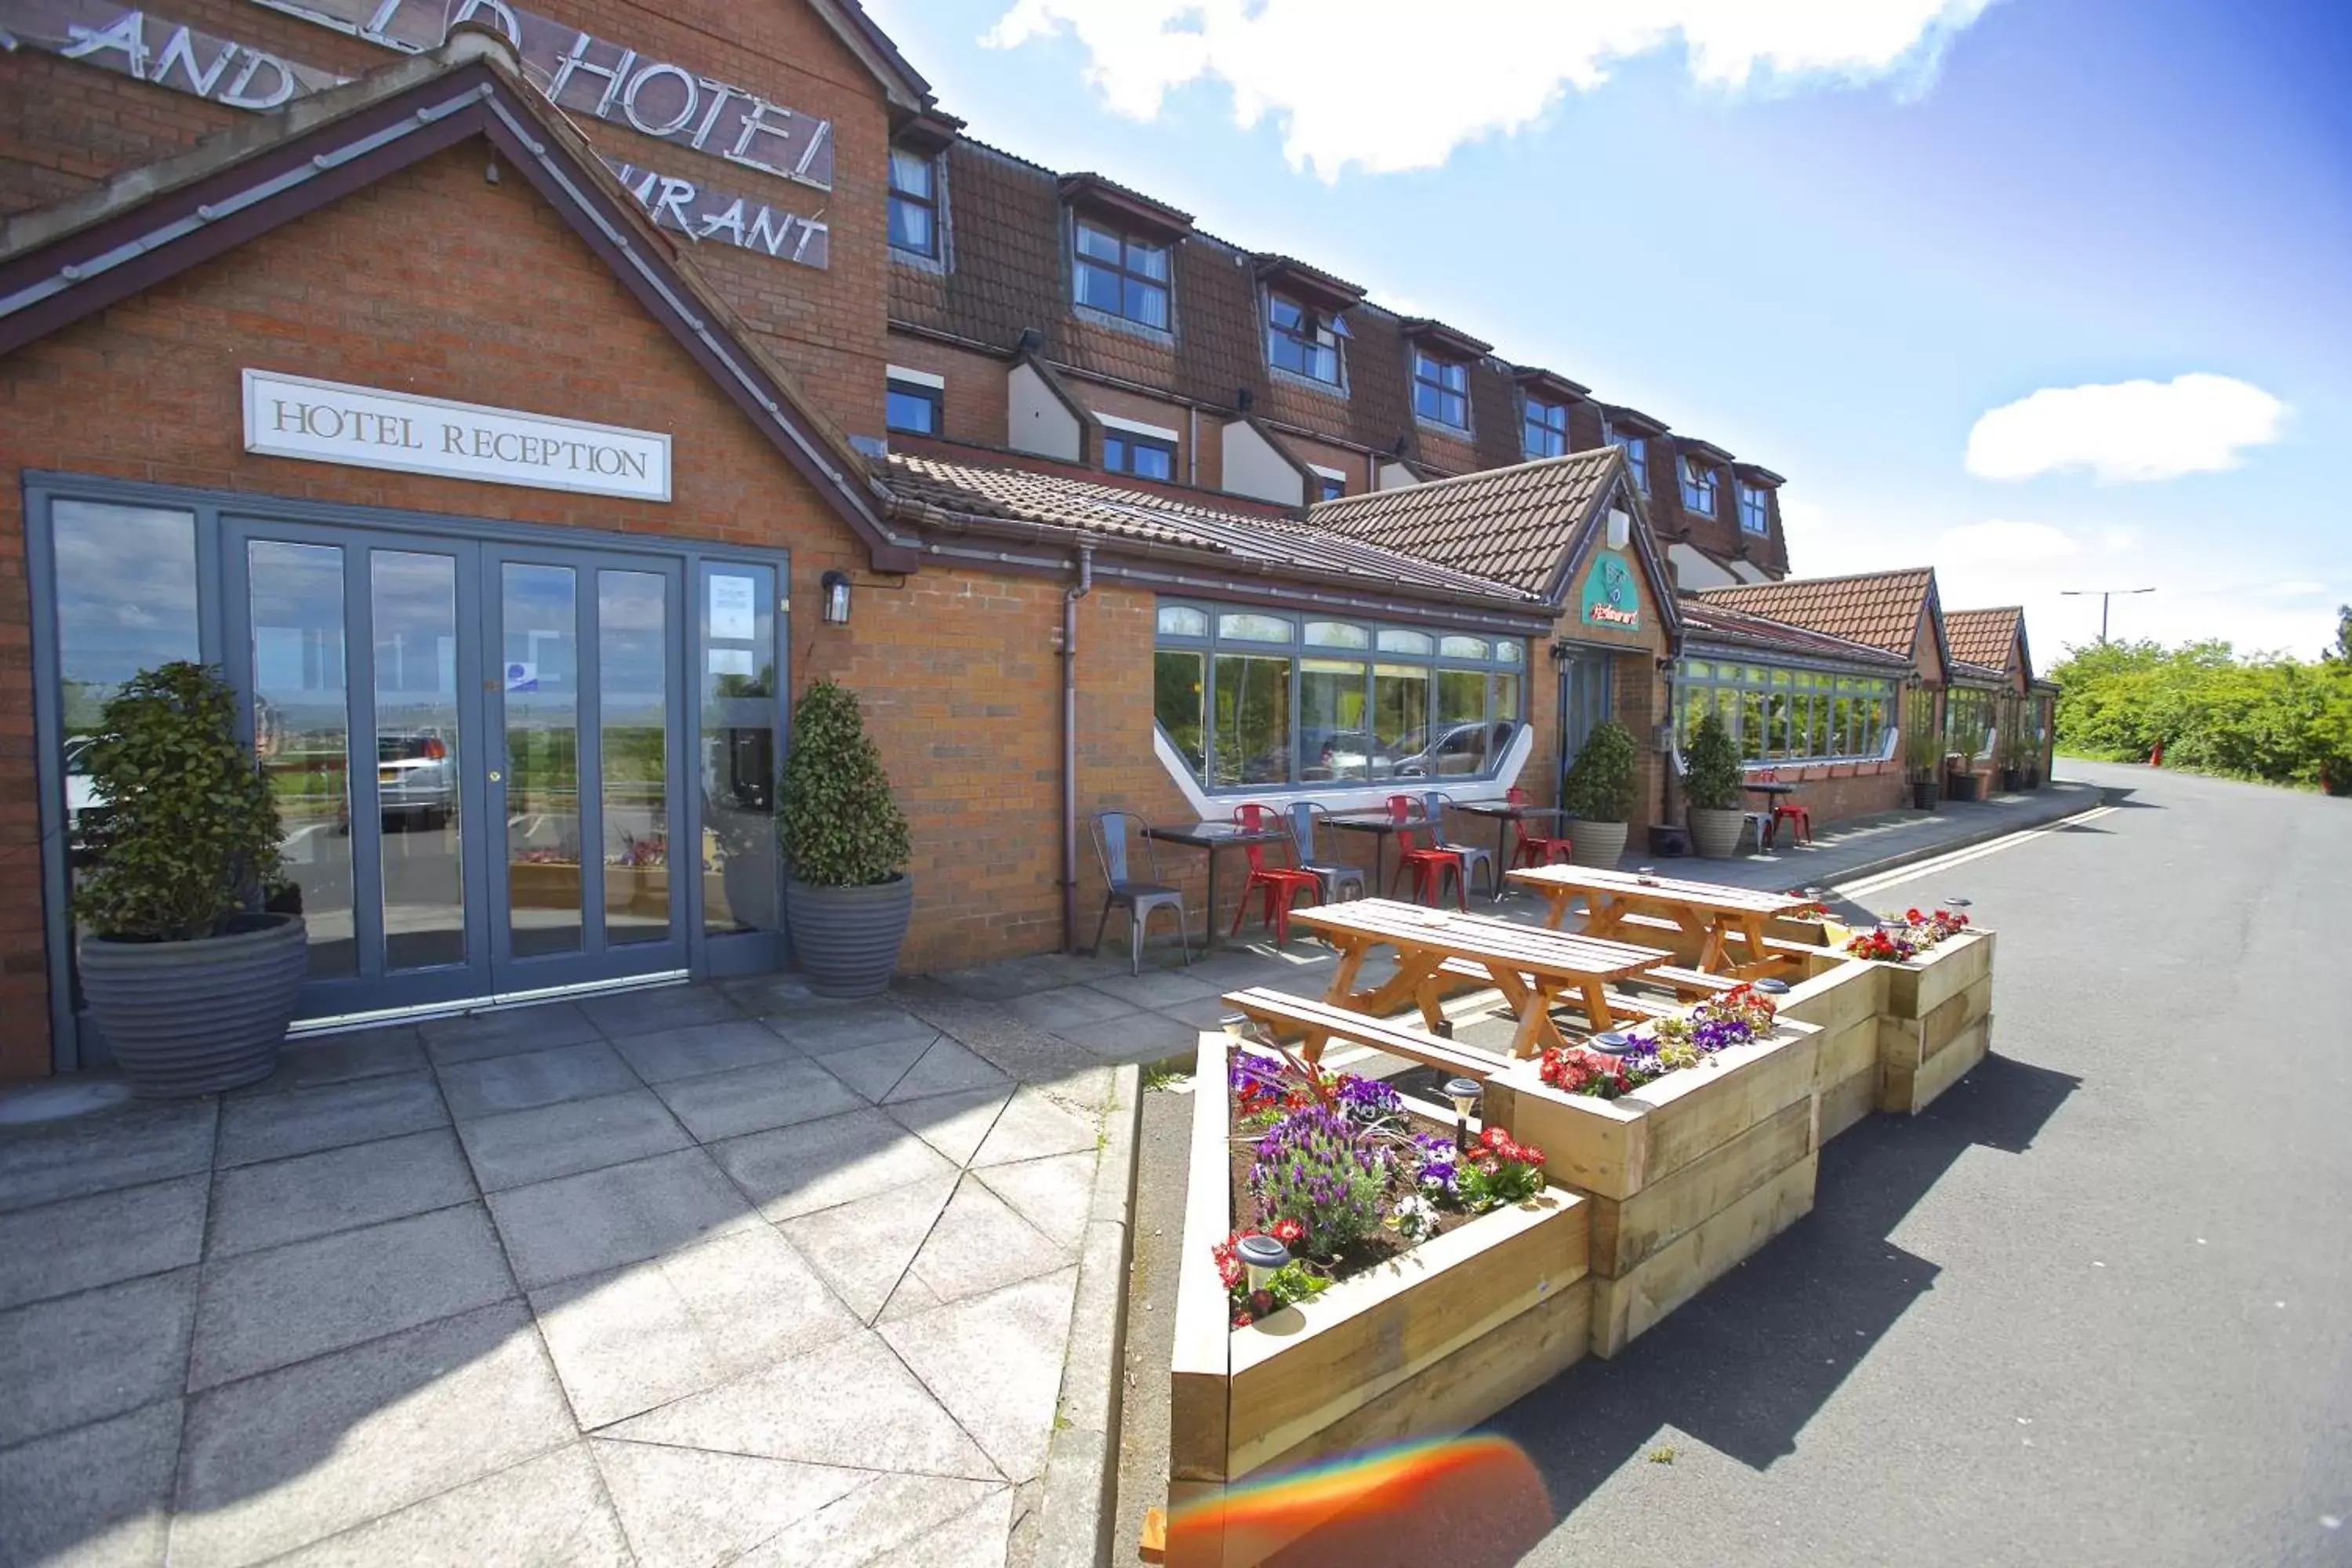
1612,1043
1261,1255
1771,987
1463,1093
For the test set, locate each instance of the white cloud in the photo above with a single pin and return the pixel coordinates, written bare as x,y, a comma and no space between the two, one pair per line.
1392,84
2000,541
2131,430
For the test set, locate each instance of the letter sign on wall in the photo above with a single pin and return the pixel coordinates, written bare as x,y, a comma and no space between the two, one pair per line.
1610,598
326,421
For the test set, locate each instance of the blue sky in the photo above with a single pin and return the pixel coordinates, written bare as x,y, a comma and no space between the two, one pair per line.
1832,235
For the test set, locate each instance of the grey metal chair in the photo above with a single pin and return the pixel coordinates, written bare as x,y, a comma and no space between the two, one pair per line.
1433,806
1138,898
1331,876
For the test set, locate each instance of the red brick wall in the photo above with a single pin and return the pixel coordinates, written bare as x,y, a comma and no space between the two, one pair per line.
974,403
1208,454
1346,460
957,668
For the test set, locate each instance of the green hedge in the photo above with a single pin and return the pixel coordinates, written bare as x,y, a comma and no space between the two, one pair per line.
2272,718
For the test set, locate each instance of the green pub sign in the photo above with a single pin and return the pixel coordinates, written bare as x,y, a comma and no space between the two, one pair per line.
1610,598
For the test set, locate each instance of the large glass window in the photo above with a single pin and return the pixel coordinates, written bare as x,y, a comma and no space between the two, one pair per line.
1783,714
1755,509
1361,703
1303,342
1145,457
913,408
735,609
1122,276
1441,390
1546,434
1637,458
1968,721
914,204
1698,487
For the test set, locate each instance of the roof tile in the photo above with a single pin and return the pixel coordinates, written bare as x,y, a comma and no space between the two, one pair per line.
1880,609
1511,524
1985,637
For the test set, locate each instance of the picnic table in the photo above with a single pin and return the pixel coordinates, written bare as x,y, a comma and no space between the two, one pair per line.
1531,967
1209,837
1708,911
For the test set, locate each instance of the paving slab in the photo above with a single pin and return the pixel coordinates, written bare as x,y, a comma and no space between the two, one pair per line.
87,1357
995,1363
523,1079
627,1340
94,1496
572,1135
1017,1047
540,1513
946,1069
875,1070
890,1514
853,1404
602,1219
339,1058
305,1120
976,1538
799,1170
864,1248
61,1248
1036,1124
1137,1037
122,1146
696,1506
1054,1194
506,1030
847,1026
270,1309
284,1459
980,1243
280,1201
699,1048
757,1098
1066,1006
1155,988
664,1007
954,1124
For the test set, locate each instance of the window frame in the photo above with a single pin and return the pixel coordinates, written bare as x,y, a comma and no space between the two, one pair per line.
929,201
1756,503
1787,701
1134,441
1124,273
1699,479
1530,422
933,397
1317,326
1441,386
1501,672
1637,457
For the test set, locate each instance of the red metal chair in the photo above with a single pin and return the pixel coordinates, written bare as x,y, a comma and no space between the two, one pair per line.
1428,864
1280,883
1786,809
1533,848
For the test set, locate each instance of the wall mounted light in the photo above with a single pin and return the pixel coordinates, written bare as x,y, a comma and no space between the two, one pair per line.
836,598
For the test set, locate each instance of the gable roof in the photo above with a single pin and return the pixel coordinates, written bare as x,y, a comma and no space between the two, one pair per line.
933,491
1989,639
65,262
1877,609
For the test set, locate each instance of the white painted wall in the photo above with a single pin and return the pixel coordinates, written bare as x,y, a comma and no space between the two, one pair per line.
1748,572
1359,797
1252,468
1395,477
1038,421
1693,570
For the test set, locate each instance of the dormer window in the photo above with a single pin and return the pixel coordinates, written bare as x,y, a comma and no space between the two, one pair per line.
1637,457
1755,509
1121,275
1441,390
1698,487
914,203
1302,341
1545,429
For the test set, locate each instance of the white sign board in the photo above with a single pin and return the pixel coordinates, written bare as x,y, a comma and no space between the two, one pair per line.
326,422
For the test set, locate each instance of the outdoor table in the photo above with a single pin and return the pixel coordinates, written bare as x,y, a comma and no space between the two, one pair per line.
1383,827
1504,813
1772,790
1209,837
1530,965
1708,911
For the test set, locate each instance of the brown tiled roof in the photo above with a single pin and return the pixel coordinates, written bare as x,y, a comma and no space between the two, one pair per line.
934,490
1705,623
1513,525
1985,637
1877,608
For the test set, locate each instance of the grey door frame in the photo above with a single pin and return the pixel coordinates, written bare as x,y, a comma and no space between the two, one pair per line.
75,1041
1577,661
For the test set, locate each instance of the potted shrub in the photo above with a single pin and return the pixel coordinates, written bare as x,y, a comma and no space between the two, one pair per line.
1711,781
2016,753
190,979
847,902
1603,790
1923,757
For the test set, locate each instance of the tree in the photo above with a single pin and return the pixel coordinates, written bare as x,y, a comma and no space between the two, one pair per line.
2342,652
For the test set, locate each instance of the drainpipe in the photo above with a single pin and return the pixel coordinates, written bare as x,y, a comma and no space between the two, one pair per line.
1070,597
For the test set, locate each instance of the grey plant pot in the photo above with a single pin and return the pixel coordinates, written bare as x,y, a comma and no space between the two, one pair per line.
846,940
197,1017
1595,843
1715,834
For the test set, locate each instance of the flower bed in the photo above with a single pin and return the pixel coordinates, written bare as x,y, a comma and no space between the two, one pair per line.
1693,1150
1436,1313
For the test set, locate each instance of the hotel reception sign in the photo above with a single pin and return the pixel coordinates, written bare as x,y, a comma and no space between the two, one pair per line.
326,421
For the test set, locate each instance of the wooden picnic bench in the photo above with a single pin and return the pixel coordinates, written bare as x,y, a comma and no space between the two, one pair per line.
1708,913
1320,1023
1530,966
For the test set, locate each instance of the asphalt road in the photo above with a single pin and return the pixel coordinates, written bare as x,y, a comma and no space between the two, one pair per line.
2094,1307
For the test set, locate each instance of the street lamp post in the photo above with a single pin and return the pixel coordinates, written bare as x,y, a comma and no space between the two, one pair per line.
2103,595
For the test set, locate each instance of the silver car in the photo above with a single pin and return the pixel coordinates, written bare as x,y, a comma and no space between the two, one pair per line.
416,779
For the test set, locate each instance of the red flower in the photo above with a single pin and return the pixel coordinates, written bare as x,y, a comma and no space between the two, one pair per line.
1241,1319
1495,1138
1261,1302
1530,1154
1289,1232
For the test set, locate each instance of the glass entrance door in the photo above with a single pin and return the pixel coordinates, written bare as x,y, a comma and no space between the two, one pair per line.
477,757
1583,700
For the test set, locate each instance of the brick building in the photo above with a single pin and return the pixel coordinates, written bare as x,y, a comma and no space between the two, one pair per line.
520,414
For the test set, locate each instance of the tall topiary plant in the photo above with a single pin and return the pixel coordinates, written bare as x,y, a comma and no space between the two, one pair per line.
1604,782
189,835
839,825
1711,773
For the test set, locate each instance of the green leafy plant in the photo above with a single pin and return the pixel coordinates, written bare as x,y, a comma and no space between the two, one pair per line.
1604,784
839,825
1711,773
189,835
1923,742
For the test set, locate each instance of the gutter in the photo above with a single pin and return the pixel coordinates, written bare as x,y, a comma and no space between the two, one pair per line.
1070,597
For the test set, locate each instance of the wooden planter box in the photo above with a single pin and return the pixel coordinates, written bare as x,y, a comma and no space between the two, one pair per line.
1685,1176
1434,1342
1844,998
1937,1022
